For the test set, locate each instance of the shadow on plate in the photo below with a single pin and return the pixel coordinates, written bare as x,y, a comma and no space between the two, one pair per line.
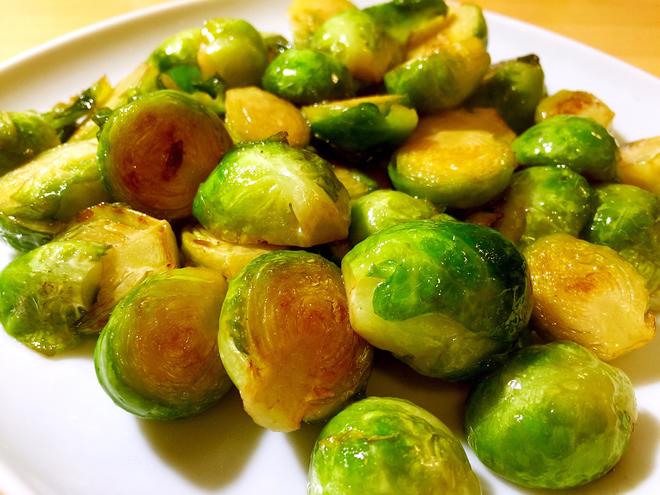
303,441
641,365
211,449
392,378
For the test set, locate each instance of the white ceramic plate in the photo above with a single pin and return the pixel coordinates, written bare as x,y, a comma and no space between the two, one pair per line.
60,434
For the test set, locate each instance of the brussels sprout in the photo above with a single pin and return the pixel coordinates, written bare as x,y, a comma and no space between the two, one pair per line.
157,357
554,416
383,446
308,76
202,249
440,79
384,208
514,88
466,20
253,114
370,123
271,192
275,44
355,39
580,103
356,183
627,219
286,340
542,201
576,142
307,16
155,151
234,50
180,49
444,297
399,18
139,246
40,197
458,159
23,135
45,293
590,295
640,164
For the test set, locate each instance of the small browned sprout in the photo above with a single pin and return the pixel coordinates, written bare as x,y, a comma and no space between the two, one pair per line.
639,164
581,103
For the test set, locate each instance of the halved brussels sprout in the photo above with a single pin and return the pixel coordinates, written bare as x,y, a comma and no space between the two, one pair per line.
369,123
276,44
139,246
590,295
445,297
383,446
514,88
554,416
581,103
23,135
384,208
180,49
441,77
356,183
286,341
253,114
355,39
458,159
202,249
542,201
39,198
627,219
155,151
307,16
640,164
308,76
234,50
46,292
272,192
399,18
466,20
579,143
157,357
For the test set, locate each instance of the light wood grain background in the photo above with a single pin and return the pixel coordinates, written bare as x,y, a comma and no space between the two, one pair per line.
627,29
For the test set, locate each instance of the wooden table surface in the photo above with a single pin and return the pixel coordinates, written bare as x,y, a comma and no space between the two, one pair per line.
629,30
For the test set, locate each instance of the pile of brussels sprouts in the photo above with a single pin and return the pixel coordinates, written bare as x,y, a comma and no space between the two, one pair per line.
245,211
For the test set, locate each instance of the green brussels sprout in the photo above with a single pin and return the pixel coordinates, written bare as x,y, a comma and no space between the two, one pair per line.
458,159
180,49
640,164
275,44
554,416
139,246
588,294
23,135
440,79
466,20
581,103
579,143
307,16
365,124
627,219
272,192
399,18
200,248
39,198
286,340
234,50
447,298
514,88
356,183
307,76
180,142
382,446
157,357
384,208
46,292
253,114
542,201
355,39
